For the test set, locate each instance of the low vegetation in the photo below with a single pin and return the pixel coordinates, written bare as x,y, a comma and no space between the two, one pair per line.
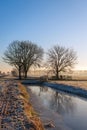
29,111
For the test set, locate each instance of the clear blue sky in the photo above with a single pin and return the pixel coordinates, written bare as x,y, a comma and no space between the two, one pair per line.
45,22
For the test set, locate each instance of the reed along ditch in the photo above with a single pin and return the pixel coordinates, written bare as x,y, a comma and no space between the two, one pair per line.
65,111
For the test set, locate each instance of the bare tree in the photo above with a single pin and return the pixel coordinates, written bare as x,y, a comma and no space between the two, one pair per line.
31,55
22,55
13,57
61,59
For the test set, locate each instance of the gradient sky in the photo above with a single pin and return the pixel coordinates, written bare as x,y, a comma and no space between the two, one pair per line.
45,22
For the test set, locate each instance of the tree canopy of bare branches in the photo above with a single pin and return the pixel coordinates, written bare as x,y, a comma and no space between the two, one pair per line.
61,59
22,55
31,55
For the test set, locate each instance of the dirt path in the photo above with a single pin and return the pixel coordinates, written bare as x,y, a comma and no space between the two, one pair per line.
13,108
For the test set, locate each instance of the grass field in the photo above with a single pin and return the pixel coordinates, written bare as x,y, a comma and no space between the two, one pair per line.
80,84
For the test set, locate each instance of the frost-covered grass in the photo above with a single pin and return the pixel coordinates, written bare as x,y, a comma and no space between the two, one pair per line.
28,109
80,84
66,87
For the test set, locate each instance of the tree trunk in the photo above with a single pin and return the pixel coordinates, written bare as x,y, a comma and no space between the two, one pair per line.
25,75
20,72
57,73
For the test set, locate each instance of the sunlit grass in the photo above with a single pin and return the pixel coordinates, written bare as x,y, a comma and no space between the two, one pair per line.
28,109
79,84
23,91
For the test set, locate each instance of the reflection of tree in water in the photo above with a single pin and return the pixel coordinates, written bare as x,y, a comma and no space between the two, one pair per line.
62,103
43,89
59,102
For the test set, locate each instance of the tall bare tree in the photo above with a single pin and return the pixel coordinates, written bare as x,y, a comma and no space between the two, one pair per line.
22,55
32,55
13,57
61,59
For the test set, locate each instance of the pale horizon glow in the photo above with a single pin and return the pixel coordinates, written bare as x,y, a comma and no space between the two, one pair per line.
80,68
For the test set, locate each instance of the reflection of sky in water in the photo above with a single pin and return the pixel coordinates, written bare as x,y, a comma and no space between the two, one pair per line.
73,109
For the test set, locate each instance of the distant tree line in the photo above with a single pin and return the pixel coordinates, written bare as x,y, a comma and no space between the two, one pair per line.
24,54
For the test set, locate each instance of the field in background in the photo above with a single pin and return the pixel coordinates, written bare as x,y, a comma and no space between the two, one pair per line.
80,84
75,75
77,78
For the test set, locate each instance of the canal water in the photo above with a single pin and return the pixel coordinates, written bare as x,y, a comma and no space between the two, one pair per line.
73,109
